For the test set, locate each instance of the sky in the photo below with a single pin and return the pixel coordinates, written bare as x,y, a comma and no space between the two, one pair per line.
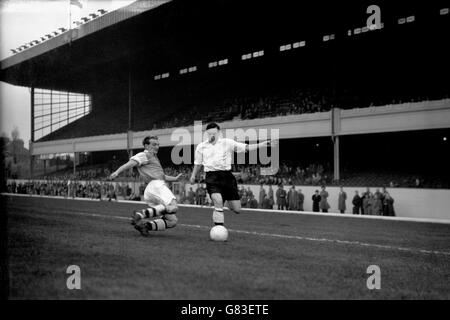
22,21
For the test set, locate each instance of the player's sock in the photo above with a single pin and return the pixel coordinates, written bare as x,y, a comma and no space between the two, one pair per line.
154,211
157,225
218,218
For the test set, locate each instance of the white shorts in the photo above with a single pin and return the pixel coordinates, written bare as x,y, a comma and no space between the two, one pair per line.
157,192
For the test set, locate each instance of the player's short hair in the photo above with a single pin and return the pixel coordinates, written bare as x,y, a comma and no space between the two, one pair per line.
212,125
147,139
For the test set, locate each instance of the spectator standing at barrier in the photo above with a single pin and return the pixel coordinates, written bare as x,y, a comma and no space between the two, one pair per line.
301,200
111,192
316,201
281,198
267,204
249,193
324,205
244,200
378,194
78,193
262,195
367,203
202,195
69,188
252,203
271,198
357,203
90,190
383,196
388,205
123,189
142,189
241,192
97,192
198,192
182,192
341,200
377,206
191,196
363,197
292,199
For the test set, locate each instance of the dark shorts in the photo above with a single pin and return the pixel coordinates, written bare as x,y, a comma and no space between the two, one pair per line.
222,182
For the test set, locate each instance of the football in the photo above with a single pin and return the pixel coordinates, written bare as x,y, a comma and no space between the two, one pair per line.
218,233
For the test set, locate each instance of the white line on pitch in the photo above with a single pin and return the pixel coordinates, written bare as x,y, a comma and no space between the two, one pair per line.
283,236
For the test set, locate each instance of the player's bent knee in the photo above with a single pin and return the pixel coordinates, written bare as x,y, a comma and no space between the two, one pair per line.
171,220
217,200
172,207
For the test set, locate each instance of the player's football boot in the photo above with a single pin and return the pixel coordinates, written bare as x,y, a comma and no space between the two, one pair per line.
142,227
136,217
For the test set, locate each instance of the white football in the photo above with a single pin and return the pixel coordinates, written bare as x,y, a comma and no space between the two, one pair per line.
218,233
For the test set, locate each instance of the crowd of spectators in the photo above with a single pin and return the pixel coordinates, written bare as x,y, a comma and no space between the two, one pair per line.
248,107
368,203
89,173
289,173
378,203
398,180
75,189
294,101
277,197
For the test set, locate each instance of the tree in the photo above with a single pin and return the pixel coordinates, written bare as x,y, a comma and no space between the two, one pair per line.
16,157
15,134
15,137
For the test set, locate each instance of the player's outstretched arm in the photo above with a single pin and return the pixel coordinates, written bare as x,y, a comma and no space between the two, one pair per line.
130,164
172,178
267,143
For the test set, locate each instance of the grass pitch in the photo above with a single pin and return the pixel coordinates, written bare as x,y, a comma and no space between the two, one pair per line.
269,255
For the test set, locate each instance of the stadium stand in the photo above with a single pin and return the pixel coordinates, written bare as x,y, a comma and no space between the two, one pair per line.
299,102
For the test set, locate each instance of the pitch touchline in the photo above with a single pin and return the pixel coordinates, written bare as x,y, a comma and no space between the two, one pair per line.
319,214
284,236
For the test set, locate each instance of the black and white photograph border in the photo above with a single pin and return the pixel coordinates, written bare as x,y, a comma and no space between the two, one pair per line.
225,156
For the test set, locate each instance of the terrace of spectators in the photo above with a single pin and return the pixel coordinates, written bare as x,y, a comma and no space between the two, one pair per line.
289,174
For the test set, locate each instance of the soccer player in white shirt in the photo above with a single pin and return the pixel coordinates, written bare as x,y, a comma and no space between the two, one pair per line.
215,155
161,201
